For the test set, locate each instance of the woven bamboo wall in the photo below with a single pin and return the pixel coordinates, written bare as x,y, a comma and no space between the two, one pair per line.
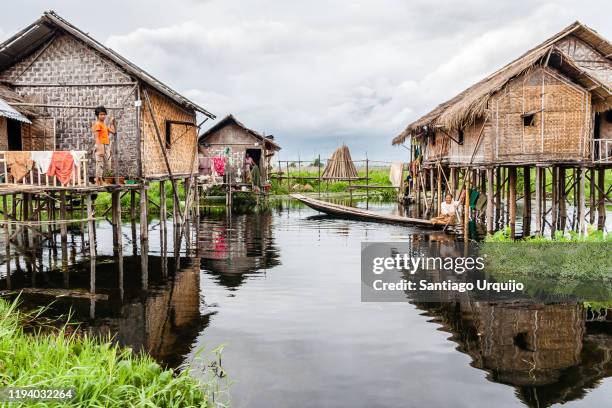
67,60
561,125
438,150
472,150
587,58
184,138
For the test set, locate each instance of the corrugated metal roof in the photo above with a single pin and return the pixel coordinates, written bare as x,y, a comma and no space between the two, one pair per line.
8,111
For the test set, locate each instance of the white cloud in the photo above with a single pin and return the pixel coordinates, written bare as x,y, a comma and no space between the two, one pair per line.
318,72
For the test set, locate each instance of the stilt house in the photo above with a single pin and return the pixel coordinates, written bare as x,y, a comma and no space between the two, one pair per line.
54,75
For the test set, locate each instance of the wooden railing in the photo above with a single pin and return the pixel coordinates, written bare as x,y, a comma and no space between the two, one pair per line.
35,178
602,151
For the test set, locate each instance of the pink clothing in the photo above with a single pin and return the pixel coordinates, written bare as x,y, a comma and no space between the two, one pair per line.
62,165
219,165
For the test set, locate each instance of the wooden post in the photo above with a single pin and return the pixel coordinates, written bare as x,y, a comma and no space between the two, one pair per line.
63,226
439,190
508,195
368,181
288,180
592,196
498,193
562,199
601,203
144,227
543,202
162,204
512,200
319,166
555,198
466,206
526,201
538,199
133,205
116,217
489,210
431,190
580,172
453,183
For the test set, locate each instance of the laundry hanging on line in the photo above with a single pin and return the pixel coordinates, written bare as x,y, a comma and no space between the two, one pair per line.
19,164
62,166
42,159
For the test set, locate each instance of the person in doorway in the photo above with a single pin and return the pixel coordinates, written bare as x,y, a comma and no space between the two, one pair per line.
448,210
102,141
248,166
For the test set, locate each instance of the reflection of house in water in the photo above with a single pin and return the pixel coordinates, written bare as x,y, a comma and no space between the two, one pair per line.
158,311
235,249
546,351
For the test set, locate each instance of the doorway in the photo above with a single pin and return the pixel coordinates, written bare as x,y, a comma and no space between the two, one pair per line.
13,128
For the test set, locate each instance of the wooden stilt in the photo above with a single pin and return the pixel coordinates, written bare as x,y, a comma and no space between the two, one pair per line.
490,204
512,200
466,206
538,199
498,193
555,201
431,191
507,196
562,199
592,196
601,203
526,201
580,173
543,202
144,227
63,226
133,205
439,190
116,218
162,204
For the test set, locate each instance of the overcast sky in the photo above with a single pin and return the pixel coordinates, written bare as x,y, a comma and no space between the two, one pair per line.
318,73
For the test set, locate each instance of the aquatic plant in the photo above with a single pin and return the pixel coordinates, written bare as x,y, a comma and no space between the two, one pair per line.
100,372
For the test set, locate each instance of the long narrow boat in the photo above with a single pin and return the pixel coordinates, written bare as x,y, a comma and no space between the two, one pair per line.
344,211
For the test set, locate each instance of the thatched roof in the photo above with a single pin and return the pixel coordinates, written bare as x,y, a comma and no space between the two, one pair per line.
230,119
470,104
42,30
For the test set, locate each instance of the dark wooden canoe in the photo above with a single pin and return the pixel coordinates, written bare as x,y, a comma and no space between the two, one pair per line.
344,211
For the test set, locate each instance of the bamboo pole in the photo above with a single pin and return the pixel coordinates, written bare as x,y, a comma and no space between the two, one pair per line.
538,199
543,203
592,196
144,227
319,177
489,209
466,205
512,200
581,201
526,201
562,198
555,198
601,203
439,189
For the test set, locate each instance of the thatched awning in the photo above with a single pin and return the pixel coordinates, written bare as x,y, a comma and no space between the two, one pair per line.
471,104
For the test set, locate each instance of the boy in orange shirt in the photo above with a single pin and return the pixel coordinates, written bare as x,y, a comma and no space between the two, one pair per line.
101,131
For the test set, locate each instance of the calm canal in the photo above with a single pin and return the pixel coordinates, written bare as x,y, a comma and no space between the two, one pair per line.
280,290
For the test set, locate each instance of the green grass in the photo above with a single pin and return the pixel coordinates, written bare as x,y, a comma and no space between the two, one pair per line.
101,373
377,176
